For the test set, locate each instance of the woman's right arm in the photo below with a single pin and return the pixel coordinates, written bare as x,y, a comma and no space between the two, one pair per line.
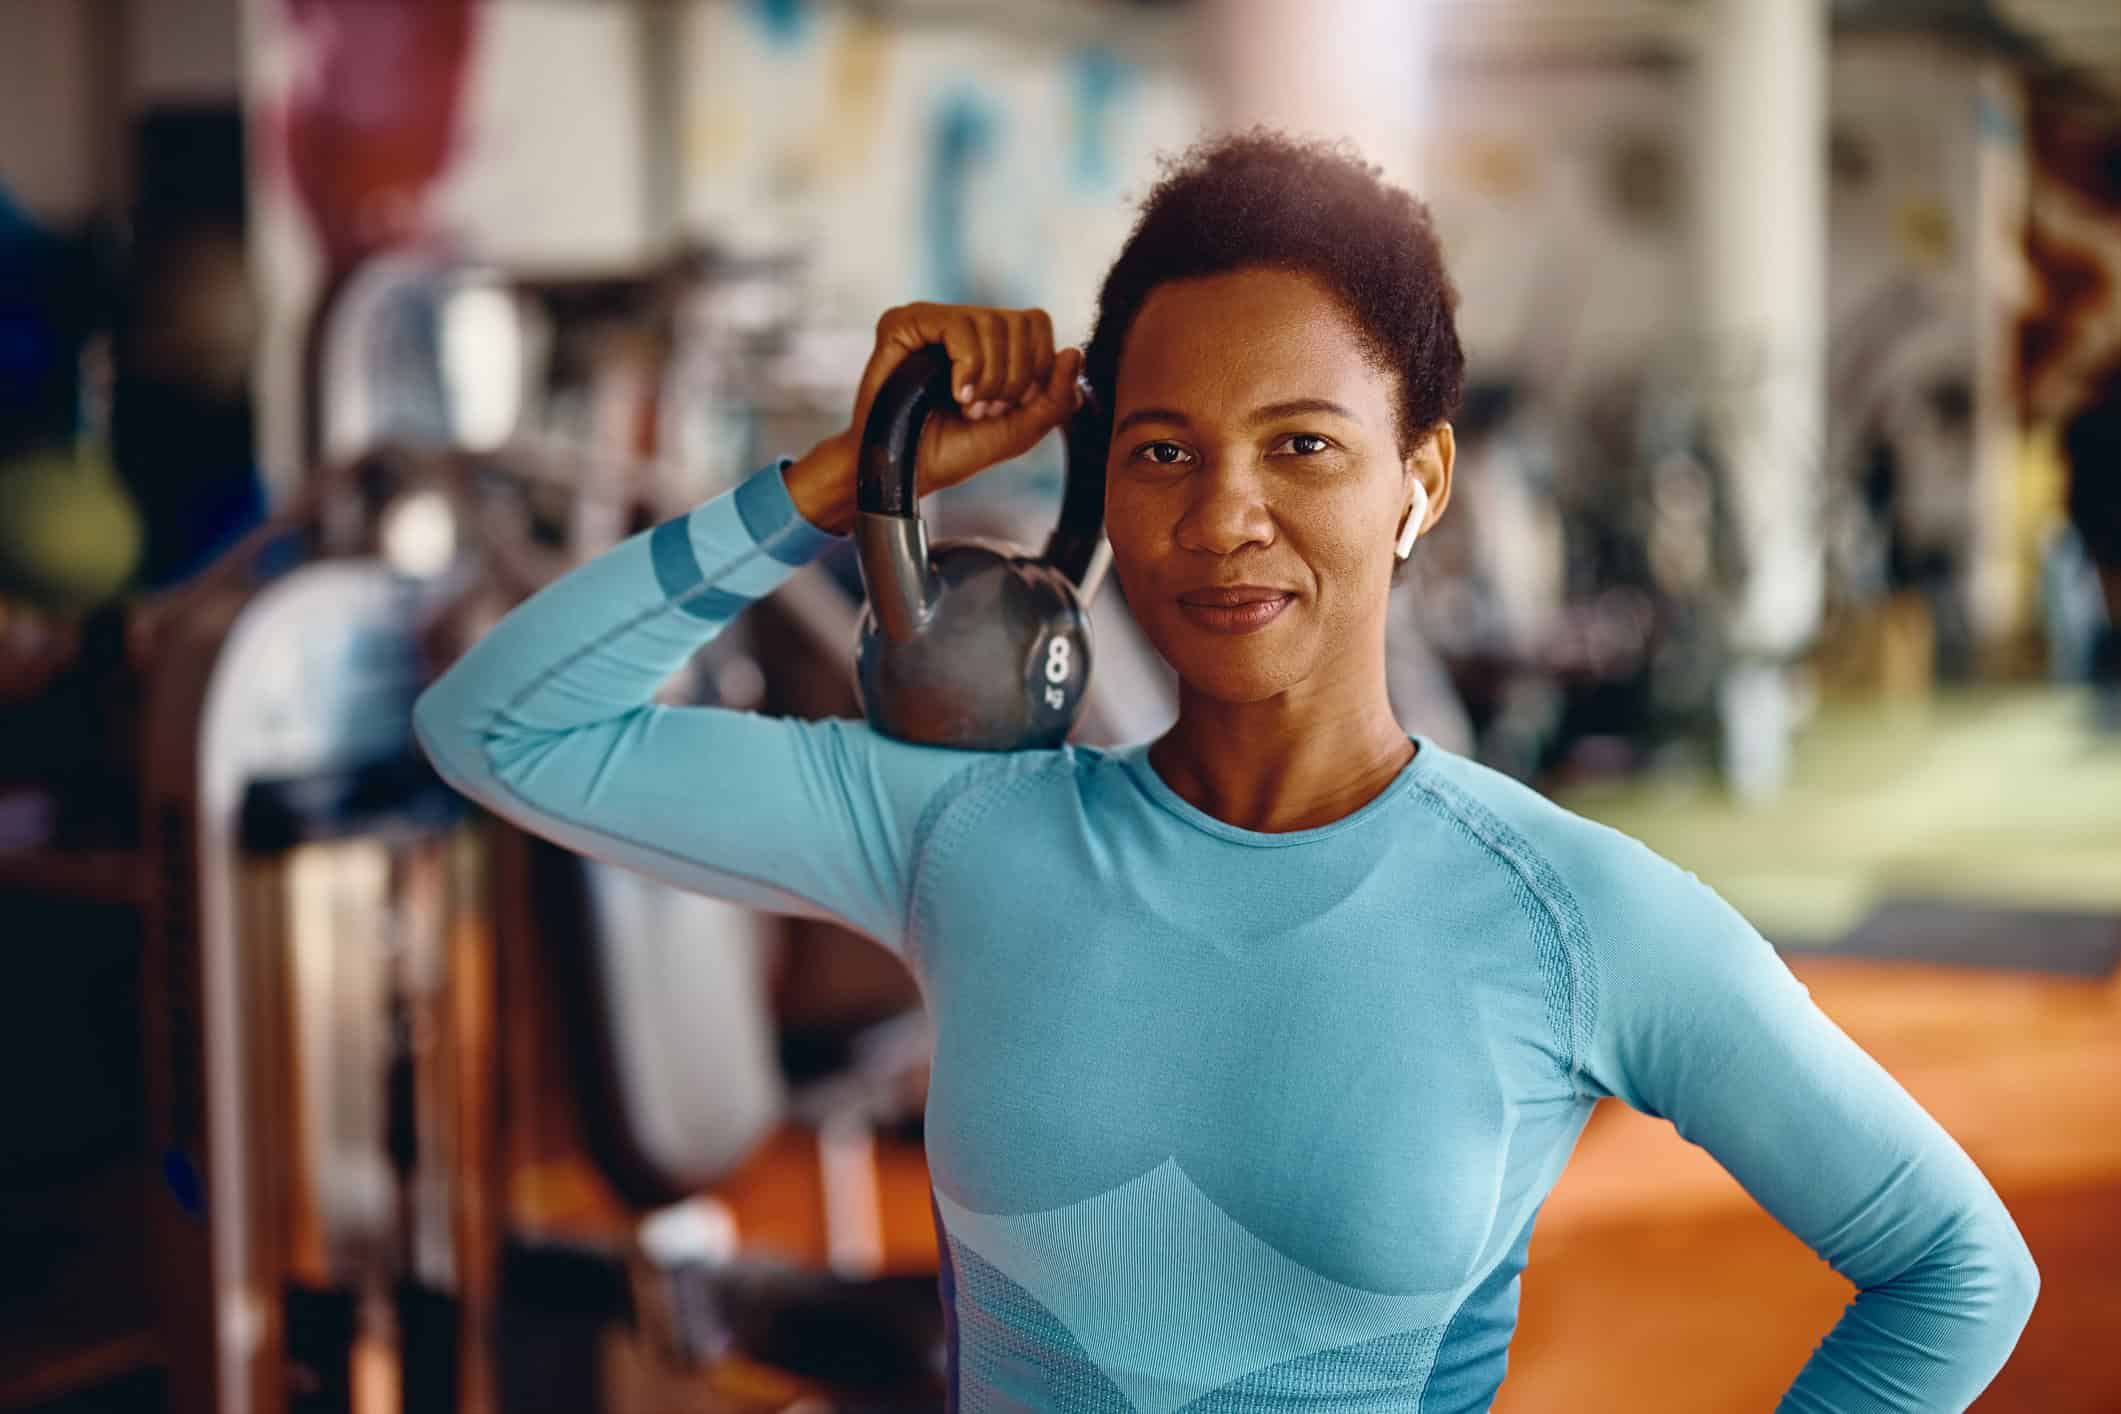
549,721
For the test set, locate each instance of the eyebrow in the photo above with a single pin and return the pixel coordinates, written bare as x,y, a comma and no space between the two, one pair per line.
1259,415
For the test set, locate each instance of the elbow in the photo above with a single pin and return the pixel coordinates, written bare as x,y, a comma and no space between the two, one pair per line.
1979,1275
1995,1260
2017,1274
2022,1278
446,735
2017,1278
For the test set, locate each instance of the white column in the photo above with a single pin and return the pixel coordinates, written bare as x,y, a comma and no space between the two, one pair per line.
1760,226
2003,597
1324,68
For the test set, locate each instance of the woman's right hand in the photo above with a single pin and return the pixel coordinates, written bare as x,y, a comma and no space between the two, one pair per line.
1009,384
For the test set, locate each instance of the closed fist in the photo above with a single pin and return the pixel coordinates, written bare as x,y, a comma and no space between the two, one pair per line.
1010,385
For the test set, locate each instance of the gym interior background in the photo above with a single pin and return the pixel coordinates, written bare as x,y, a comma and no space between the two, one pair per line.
1786,537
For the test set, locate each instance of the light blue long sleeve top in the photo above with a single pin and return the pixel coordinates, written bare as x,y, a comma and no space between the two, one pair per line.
1222,1120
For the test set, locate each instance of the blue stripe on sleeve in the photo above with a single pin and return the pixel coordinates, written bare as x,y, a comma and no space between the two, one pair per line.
677,571
764,506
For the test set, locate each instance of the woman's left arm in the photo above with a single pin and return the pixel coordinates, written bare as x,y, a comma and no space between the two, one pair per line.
1693,1016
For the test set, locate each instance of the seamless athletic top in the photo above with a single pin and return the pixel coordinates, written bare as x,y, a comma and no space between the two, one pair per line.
1222,1120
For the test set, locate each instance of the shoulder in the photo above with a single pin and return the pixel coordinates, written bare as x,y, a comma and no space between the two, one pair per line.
1607,890
1646,948
1535,833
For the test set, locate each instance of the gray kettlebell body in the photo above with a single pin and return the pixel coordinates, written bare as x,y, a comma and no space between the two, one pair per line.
973,643
1001,664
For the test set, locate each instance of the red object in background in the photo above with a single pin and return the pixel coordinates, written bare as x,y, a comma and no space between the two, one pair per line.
371,114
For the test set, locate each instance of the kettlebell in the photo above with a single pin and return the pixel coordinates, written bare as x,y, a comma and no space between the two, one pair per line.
973,643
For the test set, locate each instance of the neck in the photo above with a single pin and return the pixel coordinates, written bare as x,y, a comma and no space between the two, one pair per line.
1284,763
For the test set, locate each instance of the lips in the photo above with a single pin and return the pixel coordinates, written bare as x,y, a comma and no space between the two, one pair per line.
1232,596
1242,608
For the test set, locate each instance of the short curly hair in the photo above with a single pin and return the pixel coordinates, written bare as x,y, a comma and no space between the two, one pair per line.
1262,198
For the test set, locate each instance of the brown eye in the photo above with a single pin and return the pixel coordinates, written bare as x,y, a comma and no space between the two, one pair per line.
1323,444
1151,449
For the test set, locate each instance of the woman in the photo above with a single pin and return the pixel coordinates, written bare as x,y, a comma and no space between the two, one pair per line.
1258,1045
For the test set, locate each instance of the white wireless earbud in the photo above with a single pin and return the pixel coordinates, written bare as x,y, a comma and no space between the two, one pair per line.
1415,517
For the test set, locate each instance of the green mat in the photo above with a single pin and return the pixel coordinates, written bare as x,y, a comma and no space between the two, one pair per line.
1980,827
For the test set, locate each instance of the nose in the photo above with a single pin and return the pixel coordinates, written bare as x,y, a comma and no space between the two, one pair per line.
1226,508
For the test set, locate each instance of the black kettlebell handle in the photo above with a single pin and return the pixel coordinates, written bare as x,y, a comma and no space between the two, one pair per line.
886,483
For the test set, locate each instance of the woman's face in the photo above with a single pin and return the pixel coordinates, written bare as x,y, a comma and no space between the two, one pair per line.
1255,444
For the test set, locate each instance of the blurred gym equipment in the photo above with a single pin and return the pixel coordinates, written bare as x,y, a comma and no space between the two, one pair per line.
298,958
354,1202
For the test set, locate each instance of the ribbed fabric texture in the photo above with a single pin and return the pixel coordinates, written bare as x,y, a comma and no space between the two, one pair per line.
1226,1121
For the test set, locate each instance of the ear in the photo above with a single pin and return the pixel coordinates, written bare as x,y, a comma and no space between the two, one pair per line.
1430,464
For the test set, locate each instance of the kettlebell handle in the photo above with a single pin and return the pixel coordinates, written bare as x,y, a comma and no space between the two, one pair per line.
888,526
